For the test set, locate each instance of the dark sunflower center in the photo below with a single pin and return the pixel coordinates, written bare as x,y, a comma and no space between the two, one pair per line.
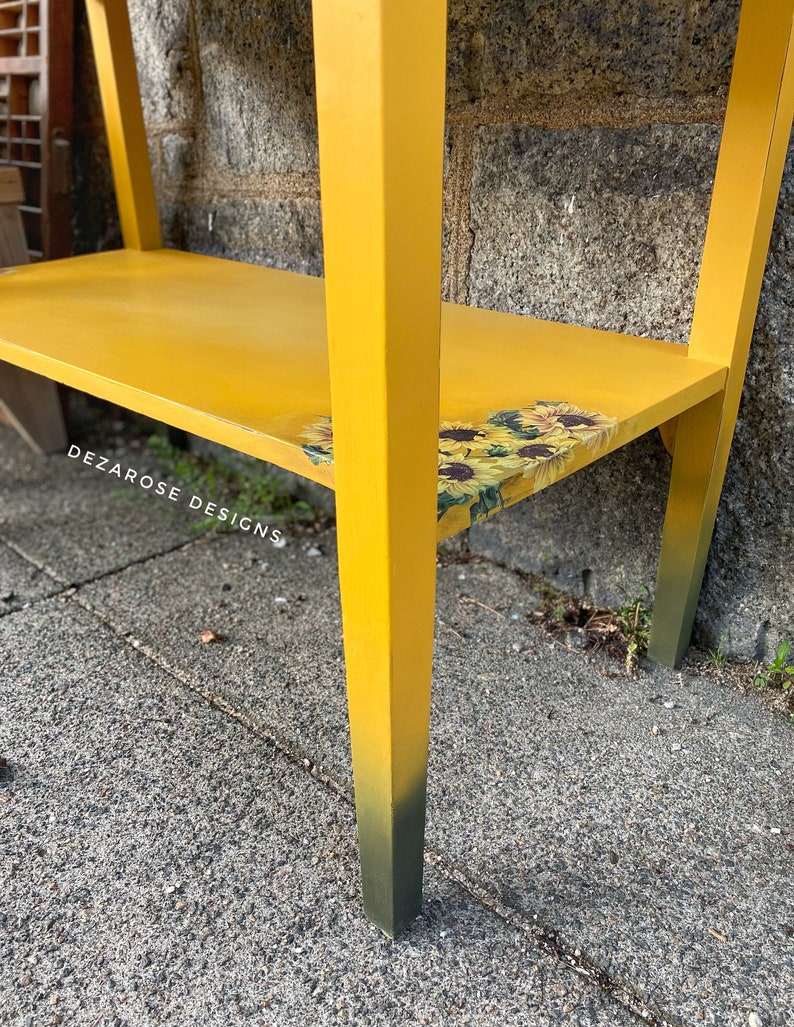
459,434
536,451
574,421
457,472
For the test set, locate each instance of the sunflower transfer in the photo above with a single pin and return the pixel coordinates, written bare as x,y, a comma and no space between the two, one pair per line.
477,460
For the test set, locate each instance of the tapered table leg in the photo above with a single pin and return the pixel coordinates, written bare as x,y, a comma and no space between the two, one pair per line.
695,487
380,95
755,139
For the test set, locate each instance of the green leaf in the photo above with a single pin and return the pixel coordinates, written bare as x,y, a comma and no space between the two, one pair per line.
488,500
506,419
317,455
446,502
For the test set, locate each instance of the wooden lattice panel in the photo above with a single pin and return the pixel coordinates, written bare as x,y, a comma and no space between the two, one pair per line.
20,28
35,116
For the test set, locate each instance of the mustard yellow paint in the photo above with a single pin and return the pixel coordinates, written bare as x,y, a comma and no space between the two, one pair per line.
667,432
121,105
687,532
380,71
239,354
232,352
747,182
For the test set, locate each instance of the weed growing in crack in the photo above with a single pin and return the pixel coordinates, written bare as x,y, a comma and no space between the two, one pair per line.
634,621
716,657
778,673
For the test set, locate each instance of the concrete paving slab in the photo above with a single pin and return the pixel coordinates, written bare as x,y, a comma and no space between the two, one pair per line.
163,864
74,521
647,820
280,663
22,582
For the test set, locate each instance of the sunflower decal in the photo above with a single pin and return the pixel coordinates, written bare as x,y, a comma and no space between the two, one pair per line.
543,458
459,437
475,460
319,445
563,420
464,477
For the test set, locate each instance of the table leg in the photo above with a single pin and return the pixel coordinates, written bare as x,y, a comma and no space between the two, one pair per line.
380,95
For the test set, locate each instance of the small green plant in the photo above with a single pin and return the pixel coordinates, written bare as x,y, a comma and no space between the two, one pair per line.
182,465
259,495
716,657
779,672
634,621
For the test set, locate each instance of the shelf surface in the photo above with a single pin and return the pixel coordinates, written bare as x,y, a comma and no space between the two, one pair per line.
237,353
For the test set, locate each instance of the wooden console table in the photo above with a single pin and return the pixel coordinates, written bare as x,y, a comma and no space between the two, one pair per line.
423,416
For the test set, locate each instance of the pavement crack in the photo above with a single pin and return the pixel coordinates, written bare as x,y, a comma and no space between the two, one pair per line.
542,935
38,564
219,702
207,537
70,588
549,940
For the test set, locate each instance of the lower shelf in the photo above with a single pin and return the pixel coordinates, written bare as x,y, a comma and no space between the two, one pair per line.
237,354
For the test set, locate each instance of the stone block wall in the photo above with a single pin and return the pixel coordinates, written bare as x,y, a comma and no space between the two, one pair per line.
581,143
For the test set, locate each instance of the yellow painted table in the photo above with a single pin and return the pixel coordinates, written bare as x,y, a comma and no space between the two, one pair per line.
424,417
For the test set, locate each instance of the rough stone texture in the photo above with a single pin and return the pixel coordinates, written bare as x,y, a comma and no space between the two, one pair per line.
164,58
651,808
258,79
447,221
614,510
285,234
707,56
95,217
601,227
294,635
577,536
180,161
70,520
514,48
21,582
96,221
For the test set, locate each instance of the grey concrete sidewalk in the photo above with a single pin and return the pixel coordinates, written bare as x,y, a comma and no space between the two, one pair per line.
177,836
